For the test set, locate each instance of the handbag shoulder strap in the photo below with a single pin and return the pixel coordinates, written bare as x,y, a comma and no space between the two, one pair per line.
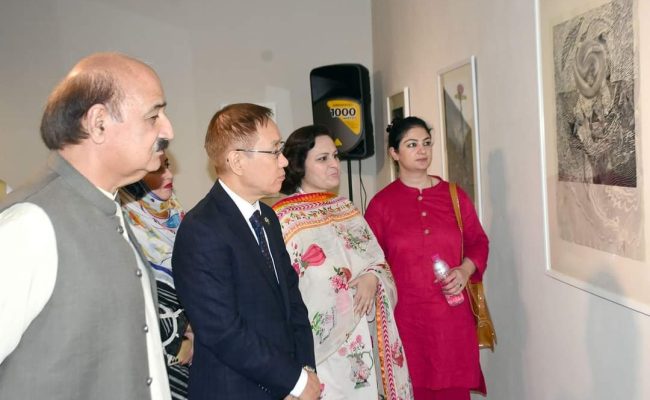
471,288
453,191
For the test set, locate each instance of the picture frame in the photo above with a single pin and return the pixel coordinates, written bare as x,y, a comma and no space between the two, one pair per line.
397,105
459,128
595,193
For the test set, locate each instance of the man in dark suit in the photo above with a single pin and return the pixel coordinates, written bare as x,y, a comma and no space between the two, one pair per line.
233,275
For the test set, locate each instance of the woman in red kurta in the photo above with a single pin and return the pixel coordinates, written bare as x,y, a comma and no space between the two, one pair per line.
413,219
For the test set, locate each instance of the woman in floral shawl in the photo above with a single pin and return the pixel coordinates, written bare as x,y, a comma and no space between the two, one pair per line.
154,214
344,279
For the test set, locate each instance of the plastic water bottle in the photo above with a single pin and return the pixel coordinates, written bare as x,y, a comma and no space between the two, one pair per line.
441,271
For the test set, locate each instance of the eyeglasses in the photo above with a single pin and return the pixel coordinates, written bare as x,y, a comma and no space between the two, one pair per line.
276,153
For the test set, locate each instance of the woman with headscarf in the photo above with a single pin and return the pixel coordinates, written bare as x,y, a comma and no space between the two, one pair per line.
154,214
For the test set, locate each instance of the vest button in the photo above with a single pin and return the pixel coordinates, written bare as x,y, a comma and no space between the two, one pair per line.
138,273
419,198
120,230
145,328
426,231
149,380
424,213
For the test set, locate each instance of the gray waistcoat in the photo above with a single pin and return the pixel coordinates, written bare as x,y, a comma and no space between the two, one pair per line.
88,342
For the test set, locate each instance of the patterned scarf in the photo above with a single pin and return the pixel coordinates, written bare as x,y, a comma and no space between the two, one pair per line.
154,223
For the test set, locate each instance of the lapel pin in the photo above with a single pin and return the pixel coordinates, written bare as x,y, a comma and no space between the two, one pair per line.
266,220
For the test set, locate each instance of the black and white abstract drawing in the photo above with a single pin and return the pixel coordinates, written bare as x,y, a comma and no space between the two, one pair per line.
598,202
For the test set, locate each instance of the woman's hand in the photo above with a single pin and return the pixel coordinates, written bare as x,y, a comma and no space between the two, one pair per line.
186,352
366,289
458,277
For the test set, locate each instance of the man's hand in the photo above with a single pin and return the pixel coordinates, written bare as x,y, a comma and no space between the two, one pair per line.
312,390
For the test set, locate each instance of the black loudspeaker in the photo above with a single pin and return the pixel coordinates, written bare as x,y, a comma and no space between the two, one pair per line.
340,100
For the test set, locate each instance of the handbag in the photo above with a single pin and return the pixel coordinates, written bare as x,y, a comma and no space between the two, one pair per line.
487,336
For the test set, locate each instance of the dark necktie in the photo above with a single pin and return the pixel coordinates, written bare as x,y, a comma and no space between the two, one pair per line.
256,222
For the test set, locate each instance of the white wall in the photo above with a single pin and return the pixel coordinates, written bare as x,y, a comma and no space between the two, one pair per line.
555,342
207,53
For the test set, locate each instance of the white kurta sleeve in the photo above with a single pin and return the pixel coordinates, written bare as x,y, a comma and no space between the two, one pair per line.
27,271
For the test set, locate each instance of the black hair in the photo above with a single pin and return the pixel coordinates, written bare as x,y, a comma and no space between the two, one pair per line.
71,100
137,189
399,126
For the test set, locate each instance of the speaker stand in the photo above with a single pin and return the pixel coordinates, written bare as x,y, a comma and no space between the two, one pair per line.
350,180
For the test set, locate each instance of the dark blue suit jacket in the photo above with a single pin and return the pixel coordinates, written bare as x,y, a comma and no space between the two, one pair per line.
252,335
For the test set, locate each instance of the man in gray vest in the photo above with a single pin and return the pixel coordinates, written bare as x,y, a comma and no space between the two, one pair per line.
78,318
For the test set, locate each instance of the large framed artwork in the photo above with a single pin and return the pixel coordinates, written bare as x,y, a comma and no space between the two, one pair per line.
595,191
459,128
397,106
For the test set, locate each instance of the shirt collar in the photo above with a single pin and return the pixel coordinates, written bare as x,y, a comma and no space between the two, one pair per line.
112,196
245,208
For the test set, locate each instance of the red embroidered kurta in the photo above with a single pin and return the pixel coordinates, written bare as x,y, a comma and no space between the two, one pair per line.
411,226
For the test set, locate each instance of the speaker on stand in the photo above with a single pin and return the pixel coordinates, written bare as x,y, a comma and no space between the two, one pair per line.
340,99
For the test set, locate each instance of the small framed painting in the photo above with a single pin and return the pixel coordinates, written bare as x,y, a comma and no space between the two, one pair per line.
397,106
459,128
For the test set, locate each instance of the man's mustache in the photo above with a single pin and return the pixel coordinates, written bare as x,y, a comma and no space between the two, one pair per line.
161,144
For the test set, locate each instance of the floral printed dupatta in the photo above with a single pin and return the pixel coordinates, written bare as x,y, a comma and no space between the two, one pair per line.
330,244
